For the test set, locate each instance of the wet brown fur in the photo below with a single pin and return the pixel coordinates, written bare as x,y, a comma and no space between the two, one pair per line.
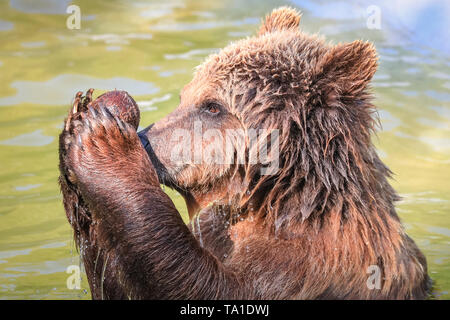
309,231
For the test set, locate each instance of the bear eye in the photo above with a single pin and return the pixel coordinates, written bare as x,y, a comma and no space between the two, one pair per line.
213,108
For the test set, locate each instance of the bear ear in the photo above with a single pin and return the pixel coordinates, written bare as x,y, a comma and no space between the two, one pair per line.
283,18
346,69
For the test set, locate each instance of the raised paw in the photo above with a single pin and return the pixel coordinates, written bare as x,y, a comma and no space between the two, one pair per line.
71,126
118,103
80,105
102,142
104,161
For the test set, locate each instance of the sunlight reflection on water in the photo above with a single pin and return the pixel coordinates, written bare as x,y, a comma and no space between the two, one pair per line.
151,49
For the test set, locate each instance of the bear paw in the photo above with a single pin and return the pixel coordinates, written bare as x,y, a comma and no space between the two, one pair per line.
71,126
99,148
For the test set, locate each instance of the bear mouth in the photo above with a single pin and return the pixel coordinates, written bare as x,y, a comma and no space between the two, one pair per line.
163,174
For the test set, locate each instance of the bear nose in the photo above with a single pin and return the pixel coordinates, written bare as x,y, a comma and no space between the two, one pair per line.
159,167
144,138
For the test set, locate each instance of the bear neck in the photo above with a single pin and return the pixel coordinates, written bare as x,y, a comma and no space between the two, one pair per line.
347,192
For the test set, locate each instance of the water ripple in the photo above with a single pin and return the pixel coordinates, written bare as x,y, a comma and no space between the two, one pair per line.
32,139
61,89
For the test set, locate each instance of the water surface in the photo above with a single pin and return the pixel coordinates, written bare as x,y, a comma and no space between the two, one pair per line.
150,49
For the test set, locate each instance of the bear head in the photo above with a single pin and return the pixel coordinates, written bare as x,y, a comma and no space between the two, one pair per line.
279,115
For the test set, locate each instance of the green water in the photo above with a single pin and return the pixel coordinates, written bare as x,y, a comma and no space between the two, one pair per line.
150,50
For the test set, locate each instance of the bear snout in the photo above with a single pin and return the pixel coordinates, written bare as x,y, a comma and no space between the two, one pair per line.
161,170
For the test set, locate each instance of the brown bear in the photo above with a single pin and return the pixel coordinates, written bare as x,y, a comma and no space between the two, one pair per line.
321,225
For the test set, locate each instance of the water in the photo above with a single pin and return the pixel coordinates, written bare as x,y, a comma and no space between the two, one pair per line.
150,50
